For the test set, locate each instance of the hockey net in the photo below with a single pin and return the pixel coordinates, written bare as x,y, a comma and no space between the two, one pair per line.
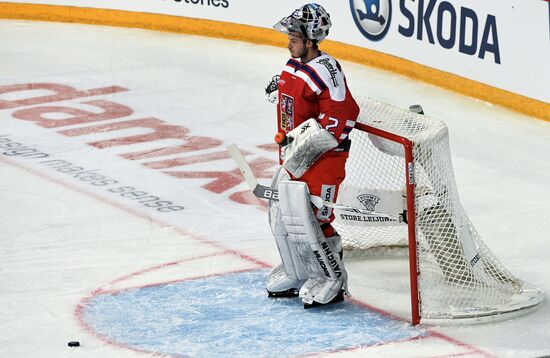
400,170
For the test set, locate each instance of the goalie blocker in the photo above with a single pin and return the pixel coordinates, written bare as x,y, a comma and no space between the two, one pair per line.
304,145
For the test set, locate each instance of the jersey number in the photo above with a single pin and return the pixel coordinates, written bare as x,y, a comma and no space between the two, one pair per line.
333,124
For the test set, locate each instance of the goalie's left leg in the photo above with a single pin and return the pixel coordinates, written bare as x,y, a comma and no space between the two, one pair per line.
314,292
327,277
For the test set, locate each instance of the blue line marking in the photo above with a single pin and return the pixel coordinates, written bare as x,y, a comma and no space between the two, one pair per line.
230,315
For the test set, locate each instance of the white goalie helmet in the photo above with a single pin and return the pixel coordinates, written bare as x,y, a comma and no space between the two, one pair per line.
311,20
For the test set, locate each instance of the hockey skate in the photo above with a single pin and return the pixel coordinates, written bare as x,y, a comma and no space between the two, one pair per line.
321,292
279,284
338,298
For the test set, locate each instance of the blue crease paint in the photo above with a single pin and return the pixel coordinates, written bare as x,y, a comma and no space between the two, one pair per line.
231,314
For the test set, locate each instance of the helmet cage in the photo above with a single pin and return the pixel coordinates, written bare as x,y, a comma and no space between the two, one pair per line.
311,21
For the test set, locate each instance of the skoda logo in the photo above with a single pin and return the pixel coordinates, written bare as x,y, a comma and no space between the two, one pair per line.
372,17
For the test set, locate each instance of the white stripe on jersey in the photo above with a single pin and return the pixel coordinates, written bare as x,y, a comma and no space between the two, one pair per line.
350,123
326,68
304,77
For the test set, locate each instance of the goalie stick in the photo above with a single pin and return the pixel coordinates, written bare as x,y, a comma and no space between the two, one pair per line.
265,192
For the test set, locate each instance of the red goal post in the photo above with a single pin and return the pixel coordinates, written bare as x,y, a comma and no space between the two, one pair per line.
409,174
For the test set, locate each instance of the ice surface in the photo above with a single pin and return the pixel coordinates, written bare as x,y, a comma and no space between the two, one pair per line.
74,251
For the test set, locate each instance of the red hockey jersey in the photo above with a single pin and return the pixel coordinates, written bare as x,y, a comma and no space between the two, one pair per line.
316,89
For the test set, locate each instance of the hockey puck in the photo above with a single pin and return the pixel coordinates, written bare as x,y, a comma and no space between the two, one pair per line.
74,344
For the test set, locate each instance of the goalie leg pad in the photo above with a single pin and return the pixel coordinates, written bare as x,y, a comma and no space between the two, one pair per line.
321,260
291,273
280,284
326,291
320,291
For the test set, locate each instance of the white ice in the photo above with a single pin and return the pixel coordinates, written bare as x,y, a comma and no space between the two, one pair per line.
62,239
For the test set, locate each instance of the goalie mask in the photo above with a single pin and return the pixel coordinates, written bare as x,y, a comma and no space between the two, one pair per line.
311,20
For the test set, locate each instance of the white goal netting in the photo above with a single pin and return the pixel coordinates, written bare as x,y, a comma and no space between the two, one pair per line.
459,277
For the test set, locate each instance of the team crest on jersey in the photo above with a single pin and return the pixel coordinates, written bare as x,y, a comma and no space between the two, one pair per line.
287,112
369,201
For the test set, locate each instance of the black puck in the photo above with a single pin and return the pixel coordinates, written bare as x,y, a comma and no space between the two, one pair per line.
74,344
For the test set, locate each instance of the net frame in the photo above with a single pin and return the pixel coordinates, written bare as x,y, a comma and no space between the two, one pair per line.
489,293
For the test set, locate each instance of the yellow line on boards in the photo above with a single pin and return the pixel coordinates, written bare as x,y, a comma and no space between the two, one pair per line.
265,36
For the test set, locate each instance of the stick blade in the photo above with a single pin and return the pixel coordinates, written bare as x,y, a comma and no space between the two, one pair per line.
242,164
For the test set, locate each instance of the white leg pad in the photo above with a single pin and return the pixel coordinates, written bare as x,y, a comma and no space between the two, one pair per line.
291,273
278,280
325,271
319,290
